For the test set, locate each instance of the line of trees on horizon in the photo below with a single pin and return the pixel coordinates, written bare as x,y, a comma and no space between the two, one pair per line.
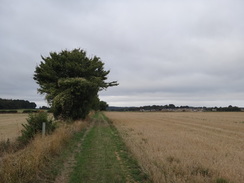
16,104
172,107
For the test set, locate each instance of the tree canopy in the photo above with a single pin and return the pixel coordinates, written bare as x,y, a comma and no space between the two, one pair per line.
71,81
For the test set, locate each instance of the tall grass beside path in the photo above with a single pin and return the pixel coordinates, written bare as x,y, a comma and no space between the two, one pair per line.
28,165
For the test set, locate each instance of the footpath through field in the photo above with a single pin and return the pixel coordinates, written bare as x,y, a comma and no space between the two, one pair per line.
103,157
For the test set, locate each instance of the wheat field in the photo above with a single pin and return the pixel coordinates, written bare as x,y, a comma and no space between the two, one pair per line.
10,125
185,147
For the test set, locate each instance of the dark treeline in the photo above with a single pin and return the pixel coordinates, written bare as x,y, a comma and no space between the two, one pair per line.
222,109
16,104
172,107
147,108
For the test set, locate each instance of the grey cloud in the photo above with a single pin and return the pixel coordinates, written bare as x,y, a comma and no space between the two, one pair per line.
159,51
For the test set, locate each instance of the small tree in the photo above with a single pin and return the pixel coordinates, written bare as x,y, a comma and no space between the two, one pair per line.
71,82
34,126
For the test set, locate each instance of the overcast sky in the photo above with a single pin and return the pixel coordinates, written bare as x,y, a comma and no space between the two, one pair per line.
182,52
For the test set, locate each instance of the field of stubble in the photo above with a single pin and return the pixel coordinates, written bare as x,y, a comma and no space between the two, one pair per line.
185,147
10,125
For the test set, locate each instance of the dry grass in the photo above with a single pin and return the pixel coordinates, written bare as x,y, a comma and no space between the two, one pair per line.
185,147
27,165
10,125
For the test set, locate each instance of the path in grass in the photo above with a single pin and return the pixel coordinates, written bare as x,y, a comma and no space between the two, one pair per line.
103,157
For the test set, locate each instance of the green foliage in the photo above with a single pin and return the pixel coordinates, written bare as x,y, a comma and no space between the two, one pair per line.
103,106
34,126
16,104
71,82
75,98
99,105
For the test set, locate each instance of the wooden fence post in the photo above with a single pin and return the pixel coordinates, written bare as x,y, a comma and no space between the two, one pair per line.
43,129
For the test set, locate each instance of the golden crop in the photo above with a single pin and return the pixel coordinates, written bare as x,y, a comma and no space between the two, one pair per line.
10,125
185,147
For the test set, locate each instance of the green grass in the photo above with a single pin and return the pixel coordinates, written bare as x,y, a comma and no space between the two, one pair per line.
221,180
104,158
55,166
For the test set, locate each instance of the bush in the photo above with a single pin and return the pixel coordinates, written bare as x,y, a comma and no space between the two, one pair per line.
34,126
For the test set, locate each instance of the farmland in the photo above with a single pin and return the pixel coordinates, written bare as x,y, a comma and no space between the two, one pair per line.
83,151
185,147
10,125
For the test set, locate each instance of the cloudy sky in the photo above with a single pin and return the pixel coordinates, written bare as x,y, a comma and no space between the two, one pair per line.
182,52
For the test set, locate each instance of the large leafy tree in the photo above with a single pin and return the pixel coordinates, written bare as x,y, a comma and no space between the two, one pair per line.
71,82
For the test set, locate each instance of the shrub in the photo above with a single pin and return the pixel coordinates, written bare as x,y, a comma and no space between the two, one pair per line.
34,126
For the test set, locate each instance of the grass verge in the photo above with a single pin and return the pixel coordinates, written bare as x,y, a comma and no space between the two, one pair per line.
104,157
55,167
31,163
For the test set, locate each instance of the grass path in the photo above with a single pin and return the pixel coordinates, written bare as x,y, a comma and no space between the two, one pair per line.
69,157
103,157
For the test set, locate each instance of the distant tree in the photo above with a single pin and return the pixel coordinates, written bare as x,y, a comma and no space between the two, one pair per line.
103,106
44,107
230,108
171,106
71,82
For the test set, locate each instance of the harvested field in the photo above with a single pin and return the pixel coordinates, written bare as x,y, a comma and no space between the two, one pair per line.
185,147
10,125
